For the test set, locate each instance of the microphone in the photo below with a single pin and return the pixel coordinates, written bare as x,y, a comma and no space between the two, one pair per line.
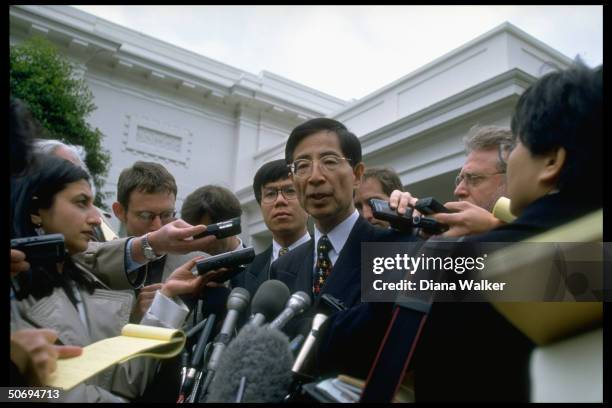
195,329
268,301
297,303
300,360
256,367
501,210
237,301
191,372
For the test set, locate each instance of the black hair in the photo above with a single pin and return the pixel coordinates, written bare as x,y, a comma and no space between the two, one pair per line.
29,193
564,109
270,172
23,129
219,203
37,189
349,143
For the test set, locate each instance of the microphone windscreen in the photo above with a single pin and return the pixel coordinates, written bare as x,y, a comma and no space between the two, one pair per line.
270,299
260,355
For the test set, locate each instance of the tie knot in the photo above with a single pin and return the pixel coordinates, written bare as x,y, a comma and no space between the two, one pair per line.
324,245
283,251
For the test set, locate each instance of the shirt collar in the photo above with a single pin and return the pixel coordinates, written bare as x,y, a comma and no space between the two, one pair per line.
339,234
277,247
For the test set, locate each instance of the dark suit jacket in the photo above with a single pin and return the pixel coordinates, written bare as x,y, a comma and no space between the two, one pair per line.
540,216
256,273
469,351
351,337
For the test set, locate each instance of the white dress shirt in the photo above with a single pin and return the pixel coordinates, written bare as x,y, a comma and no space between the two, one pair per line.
337,236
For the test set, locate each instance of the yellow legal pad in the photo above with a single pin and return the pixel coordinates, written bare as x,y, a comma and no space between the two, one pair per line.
135,341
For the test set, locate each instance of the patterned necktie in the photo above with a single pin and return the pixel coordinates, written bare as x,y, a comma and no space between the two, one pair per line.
282,251
324,264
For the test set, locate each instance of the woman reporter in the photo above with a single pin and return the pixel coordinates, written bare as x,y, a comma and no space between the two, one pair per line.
56,197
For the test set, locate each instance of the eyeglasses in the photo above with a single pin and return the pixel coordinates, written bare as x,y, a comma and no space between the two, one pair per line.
148,216
504,151
270,194
303,167
473,180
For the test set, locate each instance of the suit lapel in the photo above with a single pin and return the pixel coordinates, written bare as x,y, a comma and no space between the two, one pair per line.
262,267
296,272
344,282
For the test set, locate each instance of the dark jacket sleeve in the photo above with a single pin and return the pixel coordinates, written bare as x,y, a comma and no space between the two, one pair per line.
350,339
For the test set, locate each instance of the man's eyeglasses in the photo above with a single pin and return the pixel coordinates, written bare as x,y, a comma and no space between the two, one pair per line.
148,216
269,194
329,164
473,180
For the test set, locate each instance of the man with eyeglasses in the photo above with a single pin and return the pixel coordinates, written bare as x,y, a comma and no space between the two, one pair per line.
146,196
478,186
282,214
556,148
326,167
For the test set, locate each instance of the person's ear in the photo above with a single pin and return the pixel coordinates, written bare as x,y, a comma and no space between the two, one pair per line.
552,165
119,212
358,173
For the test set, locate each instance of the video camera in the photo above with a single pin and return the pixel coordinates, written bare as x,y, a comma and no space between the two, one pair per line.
236,261
405,223
222,229
39,250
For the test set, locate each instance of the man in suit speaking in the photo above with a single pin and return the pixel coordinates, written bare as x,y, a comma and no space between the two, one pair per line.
325,162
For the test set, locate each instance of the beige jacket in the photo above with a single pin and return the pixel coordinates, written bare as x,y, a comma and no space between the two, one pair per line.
106,260
107,311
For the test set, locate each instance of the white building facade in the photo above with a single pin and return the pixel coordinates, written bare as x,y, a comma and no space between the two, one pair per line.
210,123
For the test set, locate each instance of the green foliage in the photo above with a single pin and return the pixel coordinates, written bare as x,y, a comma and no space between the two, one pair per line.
59,100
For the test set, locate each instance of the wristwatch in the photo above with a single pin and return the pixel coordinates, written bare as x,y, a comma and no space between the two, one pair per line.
147,249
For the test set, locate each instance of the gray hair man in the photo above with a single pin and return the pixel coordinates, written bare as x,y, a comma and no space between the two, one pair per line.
482,179
478,186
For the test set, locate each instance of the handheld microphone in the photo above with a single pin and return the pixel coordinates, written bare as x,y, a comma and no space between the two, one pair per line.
258,358
501,210
192,371
195,329
297,303
299,365
268,301
237,301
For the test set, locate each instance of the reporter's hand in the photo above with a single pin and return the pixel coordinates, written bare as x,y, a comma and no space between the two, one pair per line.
401,200
35,355
18,262
144,300
176,237
212,278
468,219
183,281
